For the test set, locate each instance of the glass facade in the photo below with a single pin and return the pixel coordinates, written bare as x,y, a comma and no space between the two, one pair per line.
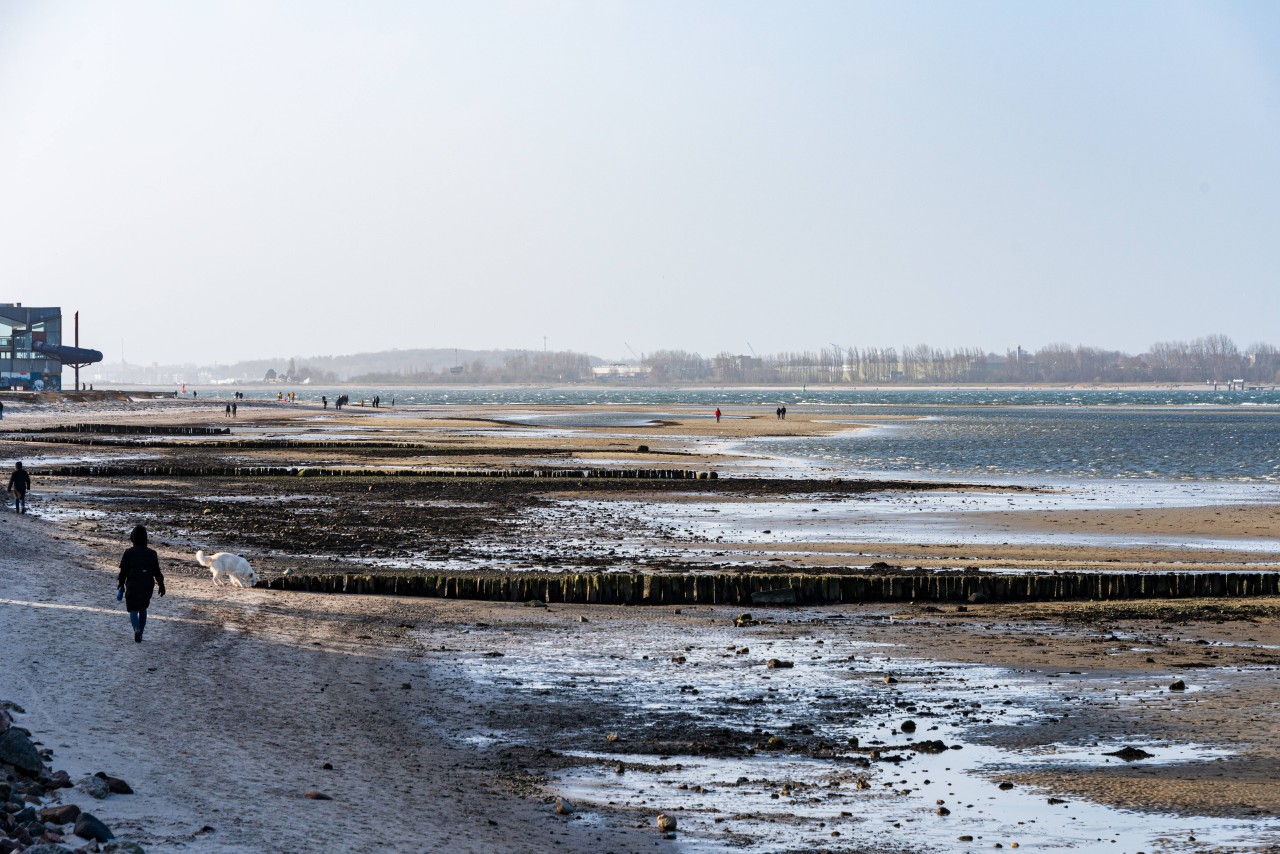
23,367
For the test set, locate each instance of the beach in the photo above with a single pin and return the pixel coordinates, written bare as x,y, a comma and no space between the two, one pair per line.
456,724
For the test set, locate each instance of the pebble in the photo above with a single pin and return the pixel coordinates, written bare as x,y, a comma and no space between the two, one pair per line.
564,807
666,823
316,795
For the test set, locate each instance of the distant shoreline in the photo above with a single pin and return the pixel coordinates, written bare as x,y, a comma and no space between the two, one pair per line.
841,387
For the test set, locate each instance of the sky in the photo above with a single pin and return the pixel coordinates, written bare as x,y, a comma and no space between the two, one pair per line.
214,181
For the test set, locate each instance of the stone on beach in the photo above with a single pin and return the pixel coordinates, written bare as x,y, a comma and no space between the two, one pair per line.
94,787
666,823
114,784
63,814
17,750
564,807
89,827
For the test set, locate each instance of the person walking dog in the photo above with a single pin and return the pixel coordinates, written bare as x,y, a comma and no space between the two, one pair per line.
139,576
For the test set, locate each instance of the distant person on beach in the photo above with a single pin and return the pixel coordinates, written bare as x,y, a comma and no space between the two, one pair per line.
1,410
233,410
228,410
139,576
784,413
19,485
717,415
324,401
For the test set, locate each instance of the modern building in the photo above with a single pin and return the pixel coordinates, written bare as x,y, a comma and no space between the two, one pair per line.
22,366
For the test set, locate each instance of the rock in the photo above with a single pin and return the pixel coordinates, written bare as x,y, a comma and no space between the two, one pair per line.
123,848
328,766
17,750
943,811
611,737
890,680
1178,685
620,768
666,823
115,784
564,806
60,780
977,598
60,815
45,848
908,726
743,620
778,663
1053,802
929,746
853,741
1006,785
1130,753
316,795
88,827
862,783
582,618
643,449
94,787
534,603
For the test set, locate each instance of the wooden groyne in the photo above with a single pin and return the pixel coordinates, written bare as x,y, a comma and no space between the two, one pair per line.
129,429
168,470
759,589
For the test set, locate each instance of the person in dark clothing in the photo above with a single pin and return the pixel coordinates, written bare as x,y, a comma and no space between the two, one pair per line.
19,485
139,575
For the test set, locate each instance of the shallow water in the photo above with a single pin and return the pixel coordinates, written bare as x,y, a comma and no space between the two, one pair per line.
774,801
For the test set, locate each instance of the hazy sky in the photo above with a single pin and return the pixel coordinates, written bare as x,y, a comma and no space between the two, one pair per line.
215,181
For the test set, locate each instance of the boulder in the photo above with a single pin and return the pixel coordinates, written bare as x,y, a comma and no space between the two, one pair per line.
64,814
89,827
114,784
94,787
123,848
666,823
17,750
564,807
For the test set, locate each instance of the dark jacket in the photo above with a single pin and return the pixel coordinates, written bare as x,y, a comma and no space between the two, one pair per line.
139,575
20,481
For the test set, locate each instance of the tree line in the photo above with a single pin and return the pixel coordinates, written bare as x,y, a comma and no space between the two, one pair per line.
1213,358
1208,359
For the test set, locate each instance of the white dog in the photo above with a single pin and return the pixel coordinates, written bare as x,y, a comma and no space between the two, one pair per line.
228,568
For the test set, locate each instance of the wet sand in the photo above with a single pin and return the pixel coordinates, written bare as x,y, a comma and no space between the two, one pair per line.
510,705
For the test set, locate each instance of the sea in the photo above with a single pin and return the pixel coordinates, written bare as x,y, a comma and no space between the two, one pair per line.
1023,435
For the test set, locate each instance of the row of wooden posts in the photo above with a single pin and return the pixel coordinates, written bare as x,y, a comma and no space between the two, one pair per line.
757,589
168,470
133,429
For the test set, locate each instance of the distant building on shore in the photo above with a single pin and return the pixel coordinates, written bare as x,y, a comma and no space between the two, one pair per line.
22,366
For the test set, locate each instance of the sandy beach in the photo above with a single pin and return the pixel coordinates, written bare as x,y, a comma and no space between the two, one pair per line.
453,724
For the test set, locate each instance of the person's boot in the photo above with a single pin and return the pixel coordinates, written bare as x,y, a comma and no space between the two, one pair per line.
137,636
